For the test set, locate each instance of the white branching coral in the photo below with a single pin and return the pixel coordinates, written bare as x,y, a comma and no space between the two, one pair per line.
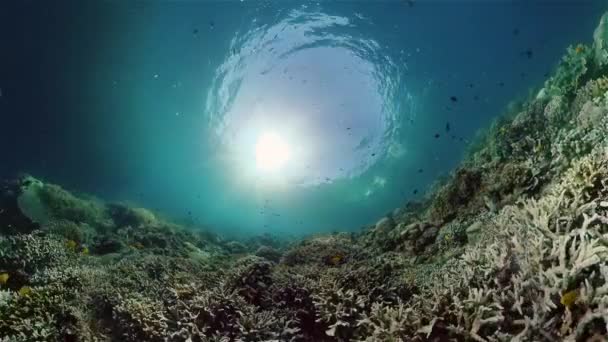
545,259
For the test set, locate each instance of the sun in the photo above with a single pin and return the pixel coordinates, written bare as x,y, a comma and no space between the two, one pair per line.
271,152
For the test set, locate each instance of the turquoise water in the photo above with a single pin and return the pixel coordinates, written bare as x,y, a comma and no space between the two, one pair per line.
162,103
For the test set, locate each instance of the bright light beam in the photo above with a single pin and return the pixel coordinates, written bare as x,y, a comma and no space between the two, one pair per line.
271,152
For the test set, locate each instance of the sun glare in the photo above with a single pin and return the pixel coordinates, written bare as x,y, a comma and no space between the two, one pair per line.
271,152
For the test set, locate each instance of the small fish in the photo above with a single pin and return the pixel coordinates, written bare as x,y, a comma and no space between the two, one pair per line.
4,278
420,170
579,48
138,245
501,84
373,154
453,99
569,298
516,32
437,135
447,126
528,53
25,291
410,3
476,98
195,31
71,245
212,25
415,191
471,85
336,259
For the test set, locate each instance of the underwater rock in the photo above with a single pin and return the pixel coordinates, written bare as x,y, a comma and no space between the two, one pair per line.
457,194
123,215
252,281
235,247
329,250
384,225
29,201
428,236
555,109
12,218
107,245
81,233
417,236
473,231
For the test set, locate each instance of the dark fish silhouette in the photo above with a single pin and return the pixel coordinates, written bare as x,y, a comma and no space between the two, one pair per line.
447,126
453,98
437,135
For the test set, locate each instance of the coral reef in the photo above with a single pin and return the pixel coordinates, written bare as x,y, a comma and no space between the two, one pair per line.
513,246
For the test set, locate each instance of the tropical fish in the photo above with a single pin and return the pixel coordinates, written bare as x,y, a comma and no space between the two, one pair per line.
336,259
25,291
71,245
4,278
569,298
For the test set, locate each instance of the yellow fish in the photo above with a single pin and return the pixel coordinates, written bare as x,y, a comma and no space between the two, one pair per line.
25,291
336,259
71,245
4,278
569,298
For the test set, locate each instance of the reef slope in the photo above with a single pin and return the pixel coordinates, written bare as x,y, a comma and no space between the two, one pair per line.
512,247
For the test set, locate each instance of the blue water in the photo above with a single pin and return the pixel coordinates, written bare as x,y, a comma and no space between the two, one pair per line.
161,103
